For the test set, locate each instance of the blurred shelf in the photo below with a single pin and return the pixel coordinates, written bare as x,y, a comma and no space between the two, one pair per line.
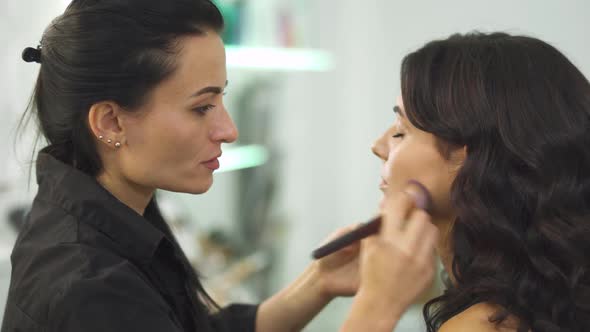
278,59
242,157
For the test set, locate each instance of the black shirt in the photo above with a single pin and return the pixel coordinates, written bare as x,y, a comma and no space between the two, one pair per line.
86,262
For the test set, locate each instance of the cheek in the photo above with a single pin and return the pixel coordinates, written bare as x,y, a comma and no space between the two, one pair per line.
400,166
169,138
421,162
164,149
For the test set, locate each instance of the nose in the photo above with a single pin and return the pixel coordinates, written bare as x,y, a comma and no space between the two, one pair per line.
379,147
225,130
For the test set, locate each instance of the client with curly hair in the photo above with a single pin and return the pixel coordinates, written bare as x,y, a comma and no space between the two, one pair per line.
498,128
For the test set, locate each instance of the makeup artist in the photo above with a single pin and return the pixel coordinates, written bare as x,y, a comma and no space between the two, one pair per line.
129,98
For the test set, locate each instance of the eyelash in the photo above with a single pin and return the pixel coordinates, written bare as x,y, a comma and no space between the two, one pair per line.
203,109
206,108
398,135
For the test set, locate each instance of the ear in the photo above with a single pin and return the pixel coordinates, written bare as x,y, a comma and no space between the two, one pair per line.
462,154
457,156
104,120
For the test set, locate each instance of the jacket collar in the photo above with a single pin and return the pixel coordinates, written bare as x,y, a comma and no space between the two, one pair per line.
84,198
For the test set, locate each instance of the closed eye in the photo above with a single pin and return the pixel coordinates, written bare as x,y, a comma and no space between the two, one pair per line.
203,109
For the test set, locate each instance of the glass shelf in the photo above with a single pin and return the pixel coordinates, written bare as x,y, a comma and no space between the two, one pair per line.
278,59
242,157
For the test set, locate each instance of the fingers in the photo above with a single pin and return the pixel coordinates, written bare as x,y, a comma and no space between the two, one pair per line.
406,223
399,262
396,209
420,235
369,244
421,195
398,206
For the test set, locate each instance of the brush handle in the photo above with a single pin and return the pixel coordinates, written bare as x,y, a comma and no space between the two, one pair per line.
367,229
422,200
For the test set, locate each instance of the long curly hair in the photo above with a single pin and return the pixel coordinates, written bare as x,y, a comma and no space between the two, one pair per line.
521,239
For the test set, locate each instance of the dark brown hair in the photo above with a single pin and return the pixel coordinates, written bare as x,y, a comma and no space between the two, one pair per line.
521,239
116,50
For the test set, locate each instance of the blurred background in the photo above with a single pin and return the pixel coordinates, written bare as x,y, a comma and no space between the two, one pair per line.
312,84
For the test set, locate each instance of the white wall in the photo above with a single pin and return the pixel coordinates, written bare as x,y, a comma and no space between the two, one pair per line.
21,25
330,120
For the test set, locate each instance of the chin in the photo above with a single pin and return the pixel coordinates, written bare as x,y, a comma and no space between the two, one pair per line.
199,187
197,191
191,187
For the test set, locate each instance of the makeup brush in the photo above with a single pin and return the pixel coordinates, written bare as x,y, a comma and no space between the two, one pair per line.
422,200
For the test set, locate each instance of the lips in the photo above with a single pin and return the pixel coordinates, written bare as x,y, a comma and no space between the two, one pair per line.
383,185
212,164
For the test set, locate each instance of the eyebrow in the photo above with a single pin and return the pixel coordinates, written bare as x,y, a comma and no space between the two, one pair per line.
398,110
210,89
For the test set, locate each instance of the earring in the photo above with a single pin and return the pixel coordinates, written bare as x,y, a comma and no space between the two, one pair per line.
100,137
117,145
109,141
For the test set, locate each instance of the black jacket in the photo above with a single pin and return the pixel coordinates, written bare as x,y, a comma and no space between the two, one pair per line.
86,262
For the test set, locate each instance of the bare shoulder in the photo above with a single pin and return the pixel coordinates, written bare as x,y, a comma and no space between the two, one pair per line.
476,319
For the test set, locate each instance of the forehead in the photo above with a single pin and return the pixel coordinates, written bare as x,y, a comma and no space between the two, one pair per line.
399,109
204,53
200,62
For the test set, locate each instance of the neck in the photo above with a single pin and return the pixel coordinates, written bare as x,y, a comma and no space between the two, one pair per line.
134,196
444,248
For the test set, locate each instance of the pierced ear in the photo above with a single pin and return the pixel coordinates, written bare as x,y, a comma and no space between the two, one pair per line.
104,121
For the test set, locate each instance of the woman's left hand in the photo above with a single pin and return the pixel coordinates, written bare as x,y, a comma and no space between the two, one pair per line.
338,272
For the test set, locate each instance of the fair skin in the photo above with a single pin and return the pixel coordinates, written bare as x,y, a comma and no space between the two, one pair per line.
396,265
180,128
172,142
410,153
